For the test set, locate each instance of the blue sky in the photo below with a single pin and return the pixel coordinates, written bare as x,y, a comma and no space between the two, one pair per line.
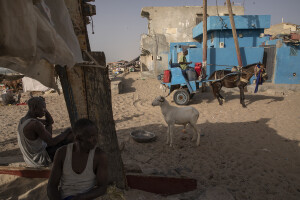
118,23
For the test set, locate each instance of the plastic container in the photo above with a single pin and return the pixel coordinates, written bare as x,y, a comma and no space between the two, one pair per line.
167,76
191,74
198,68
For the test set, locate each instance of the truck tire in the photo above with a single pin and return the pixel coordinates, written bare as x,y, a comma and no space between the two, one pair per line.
181,97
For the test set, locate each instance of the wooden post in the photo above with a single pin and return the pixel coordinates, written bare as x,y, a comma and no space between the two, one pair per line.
204,45
99,105
236,42
204,57
88,95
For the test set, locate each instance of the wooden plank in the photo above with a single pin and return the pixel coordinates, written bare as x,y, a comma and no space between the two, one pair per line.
98,94
68,93
155,184
26,172
161,185
234,34
92,96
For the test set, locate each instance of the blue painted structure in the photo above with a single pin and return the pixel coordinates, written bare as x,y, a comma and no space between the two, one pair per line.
249,30
221,53
287,63
242,22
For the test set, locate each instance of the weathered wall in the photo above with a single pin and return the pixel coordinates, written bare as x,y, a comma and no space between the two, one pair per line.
287,67
246,38
282,28
172,24
225,58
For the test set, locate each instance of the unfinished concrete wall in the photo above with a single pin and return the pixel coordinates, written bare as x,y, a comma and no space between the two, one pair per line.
282,28
172,24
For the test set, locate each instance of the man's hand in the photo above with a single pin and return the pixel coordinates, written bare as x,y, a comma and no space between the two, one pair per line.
67,130
69,134
48,118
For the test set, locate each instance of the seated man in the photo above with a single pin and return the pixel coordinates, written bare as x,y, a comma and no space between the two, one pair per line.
184,65
182,60
80,168
35,135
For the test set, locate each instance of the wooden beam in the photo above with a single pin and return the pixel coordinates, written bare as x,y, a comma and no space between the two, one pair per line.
161,184
68,93
26,172
156,184
236,42
89,96
99,106
204,58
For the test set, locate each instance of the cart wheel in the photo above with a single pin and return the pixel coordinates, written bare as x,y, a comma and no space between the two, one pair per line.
181,97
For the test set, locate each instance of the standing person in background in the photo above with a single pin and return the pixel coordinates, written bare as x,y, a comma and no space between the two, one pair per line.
80,168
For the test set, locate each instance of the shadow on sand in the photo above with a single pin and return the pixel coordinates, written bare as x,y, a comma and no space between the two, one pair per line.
127,118
249,98
249,159
127,85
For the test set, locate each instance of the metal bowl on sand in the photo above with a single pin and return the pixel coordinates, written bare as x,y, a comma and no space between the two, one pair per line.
143,136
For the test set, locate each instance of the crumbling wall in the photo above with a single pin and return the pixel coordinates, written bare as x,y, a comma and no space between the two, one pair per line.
172,24
155,49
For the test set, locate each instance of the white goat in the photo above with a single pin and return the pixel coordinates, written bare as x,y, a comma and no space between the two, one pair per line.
175,115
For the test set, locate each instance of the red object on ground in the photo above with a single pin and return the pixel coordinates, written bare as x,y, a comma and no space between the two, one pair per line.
198,68
161,185
155,184
21,104
26,172
167,76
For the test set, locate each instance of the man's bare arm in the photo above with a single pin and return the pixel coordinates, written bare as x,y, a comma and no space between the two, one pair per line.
48,121
52,188
40,130
185,63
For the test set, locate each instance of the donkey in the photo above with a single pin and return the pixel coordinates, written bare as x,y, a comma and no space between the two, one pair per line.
238,79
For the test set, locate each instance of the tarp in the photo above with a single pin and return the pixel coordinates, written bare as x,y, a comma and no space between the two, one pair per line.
30,84
35,37
6,71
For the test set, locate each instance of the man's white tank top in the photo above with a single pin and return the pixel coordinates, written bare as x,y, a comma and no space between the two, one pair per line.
72,183
34,151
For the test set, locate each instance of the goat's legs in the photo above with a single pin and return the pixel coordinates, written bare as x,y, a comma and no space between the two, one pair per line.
171,134
168,135
196,132
184,128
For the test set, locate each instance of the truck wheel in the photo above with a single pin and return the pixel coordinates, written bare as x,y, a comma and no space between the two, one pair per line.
181,97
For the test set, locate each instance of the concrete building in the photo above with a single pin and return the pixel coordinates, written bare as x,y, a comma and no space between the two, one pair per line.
221,52
282,28
284,59
171,24
281,56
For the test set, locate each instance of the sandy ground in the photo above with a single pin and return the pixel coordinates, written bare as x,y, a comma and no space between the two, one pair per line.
246,153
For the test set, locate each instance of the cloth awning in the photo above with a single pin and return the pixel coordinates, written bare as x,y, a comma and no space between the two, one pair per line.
36,36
